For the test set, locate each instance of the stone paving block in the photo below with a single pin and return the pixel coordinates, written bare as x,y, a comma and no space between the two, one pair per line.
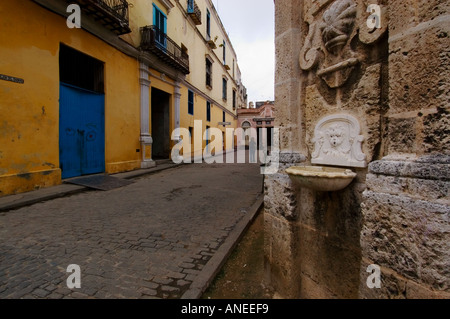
62,291
41,293
187,265
149,250
78,295
169,289
90,291
50,287
191,271
55,295
101,295
163,281
93,271
147,291
150,285
191,277
176,275
182,283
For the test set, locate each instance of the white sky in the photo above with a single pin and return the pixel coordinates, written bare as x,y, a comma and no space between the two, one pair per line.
250,25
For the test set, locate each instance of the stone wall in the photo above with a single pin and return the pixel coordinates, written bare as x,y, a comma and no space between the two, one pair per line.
406,227
394,80
406,205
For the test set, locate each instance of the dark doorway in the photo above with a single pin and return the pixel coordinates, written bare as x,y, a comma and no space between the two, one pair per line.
265,138
270,137
161,124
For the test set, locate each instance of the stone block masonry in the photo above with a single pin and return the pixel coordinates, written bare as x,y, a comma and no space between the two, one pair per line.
406,227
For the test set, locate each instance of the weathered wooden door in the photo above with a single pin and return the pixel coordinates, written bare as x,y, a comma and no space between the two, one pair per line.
81,131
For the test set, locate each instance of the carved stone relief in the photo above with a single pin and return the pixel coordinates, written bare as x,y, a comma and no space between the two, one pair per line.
332,26
338,142
337,25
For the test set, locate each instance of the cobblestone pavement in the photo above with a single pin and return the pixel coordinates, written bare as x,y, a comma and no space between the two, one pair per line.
147,240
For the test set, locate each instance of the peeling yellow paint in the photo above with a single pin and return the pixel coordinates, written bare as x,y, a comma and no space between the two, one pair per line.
20,183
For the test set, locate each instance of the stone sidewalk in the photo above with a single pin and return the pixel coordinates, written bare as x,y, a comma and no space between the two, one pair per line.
165,236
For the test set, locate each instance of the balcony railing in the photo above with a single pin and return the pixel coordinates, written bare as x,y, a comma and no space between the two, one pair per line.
113,14
157,42
194,12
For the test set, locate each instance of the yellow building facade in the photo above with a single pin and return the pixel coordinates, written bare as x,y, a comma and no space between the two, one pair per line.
106,97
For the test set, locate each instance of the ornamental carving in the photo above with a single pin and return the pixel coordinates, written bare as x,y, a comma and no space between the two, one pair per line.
338,142
337,25
332,26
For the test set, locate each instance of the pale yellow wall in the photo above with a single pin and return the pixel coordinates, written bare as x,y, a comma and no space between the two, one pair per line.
140,15
182,30
187,120
29,125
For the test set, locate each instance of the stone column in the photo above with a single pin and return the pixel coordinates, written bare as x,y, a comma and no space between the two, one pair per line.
177,94
146,139
280,211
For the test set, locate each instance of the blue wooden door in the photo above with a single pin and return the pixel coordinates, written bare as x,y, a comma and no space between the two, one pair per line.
81,132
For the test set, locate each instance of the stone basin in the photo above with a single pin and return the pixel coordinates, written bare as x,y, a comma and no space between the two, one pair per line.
322,179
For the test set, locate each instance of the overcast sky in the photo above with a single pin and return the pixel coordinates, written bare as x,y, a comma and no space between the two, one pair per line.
250,26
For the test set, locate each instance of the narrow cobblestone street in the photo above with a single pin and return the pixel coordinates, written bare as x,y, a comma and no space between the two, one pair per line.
147,240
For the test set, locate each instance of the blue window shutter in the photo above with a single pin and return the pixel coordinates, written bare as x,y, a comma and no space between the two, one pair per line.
164,23
160,22
159,19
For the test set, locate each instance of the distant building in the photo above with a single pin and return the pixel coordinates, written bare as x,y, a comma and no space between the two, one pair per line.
262,116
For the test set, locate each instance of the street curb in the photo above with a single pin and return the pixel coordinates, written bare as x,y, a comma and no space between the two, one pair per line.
31,198
62,190
215,264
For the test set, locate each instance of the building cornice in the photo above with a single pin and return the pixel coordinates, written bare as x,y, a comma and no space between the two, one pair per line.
167,4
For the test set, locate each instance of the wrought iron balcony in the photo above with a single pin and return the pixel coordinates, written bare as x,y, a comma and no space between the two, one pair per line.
194,12
113,14
157,42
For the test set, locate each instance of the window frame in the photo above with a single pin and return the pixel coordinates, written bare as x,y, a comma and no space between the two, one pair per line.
157,14
224,52
225,89
210,74
208,111
191,102
208,24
